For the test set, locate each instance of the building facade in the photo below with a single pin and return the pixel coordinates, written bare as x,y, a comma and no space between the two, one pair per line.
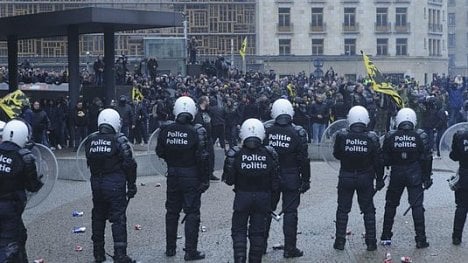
212,22
457,37
405,37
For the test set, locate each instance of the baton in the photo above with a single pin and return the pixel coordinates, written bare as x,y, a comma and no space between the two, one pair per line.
373,194
277,217
411,205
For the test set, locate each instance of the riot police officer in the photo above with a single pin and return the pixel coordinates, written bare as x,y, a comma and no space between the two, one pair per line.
290,142
361,161
460,153
113,176
409,153
17,174
184,147
253,170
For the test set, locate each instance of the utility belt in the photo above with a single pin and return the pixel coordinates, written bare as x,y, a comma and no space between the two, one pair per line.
357,170
190,172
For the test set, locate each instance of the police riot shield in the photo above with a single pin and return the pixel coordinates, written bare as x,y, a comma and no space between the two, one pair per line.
47,169
80,160
328,140
445,145
158,164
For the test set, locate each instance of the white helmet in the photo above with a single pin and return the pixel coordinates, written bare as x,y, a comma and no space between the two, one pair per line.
252,128
358,114
110,117
405,114
280,107
17,132
185,104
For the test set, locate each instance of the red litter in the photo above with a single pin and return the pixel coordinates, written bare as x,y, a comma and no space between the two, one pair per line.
78,248
39,260
406,260
348,232
137,227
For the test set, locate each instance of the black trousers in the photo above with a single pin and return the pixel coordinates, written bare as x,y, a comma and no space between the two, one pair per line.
363,184
249,219
461,200
409,177
182,193
290,183
109,203
12,232
218,133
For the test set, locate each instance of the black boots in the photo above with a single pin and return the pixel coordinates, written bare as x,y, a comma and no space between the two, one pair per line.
292,252
170,252
456,240
99,252
193,255
339,243
121,255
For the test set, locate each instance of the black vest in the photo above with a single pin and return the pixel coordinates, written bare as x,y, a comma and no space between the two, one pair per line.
102,154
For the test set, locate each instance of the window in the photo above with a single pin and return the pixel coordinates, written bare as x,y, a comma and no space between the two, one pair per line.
451,19
284,17
400,16
317,46
402,46
382,46
382,17
350,16
451,60
284,47
350,46
317,17
451,40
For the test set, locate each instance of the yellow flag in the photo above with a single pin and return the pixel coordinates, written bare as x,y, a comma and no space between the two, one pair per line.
243,48
378,81
13,103
136,94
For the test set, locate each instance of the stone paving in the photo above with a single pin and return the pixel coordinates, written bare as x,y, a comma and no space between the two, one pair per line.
51,238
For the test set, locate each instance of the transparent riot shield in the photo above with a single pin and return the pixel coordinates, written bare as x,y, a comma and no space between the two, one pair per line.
47,169
445,145
80,159
158,164
328,140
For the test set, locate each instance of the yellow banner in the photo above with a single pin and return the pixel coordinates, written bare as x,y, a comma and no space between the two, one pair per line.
136,94
13,103
243,48
379,84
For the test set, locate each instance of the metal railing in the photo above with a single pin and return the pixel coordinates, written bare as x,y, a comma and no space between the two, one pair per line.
347,28
383,28
403,28
318,28
284,28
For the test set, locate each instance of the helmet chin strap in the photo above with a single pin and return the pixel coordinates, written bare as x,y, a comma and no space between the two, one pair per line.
283,119
252,142
184,118
406,125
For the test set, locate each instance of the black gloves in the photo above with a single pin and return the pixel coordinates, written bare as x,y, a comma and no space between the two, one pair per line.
204,186
379,184
131,190
427,183
305,186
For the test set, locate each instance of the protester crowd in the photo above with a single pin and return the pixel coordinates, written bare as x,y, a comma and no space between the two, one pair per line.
235,97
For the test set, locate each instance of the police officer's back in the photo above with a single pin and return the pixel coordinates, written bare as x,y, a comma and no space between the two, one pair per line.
409,153
17,174
290,142
459,153
113,176
360,156
184,147
253,169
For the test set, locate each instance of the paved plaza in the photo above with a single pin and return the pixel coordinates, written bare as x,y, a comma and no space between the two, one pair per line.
50,224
